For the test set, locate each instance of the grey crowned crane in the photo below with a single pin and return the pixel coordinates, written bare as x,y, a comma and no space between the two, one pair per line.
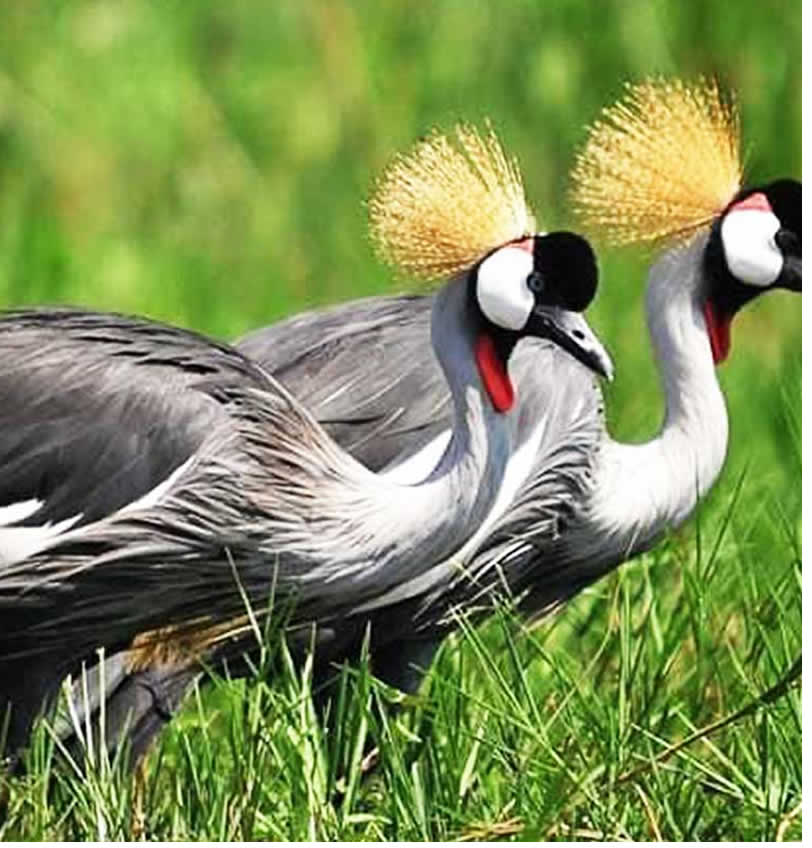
663,162
151,478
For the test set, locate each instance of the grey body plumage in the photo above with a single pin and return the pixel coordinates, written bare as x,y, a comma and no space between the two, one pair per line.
365,372
255,493
191,400
234,478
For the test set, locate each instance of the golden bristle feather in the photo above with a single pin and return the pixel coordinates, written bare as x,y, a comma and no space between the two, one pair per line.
181,645
659,164
439,209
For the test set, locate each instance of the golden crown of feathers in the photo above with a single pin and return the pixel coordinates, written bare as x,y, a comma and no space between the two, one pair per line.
442,207
659,164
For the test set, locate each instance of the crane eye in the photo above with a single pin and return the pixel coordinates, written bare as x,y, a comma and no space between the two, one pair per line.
788,242
535,282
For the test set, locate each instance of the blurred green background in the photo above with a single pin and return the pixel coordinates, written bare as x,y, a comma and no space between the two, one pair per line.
207,162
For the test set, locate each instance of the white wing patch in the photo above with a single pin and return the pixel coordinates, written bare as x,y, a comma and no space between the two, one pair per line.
19,543
15,512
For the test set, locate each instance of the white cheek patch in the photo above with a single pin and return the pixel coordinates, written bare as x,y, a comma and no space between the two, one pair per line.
501,287
748,239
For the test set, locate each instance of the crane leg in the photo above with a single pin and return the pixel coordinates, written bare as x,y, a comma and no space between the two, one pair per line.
404,664
134,706
28,687
139,704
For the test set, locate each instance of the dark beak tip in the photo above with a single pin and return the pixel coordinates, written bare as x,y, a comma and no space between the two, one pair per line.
604,371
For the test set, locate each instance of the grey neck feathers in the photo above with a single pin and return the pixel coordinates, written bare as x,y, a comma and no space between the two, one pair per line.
645,489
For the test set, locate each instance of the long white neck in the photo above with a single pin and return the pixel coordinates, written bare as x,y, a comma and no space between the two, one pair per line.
645,489
460,491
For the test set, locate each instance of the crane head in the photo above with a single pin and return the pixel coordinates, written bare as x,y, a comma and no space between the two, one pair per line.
663,165
753,247
455,206
536,286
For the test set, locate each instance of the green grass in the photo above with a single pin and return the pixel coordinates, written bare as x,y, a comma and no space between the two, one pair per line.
206,163
567,731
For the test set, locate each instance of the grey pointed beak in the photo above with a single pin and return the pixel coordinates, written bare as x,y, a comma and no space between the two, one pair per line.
571,332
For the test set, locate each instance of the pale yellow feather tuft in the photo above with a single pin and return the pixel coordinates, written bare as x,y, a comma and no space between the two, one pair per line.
180,646
442,207
659,164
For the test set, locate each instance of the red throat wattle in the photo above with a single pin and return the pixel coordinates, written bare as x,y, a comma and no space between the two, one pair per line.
718,332
493,371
